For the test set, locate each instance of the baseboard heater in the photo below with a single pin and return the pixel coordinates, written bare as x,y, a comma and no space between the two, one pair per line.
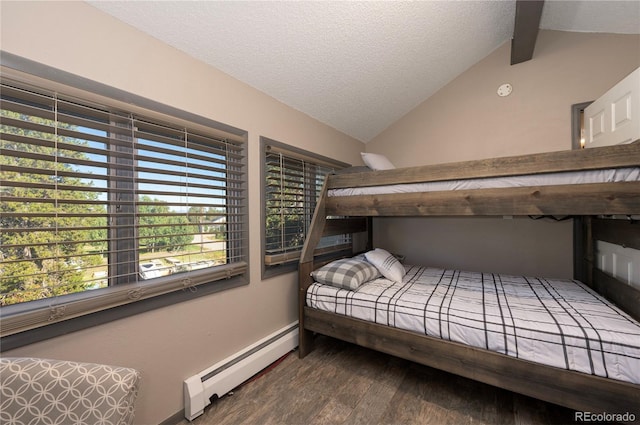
226,375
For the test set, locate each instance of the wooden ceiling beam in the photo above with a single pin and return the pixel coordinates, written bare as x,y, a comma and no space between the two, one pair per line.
525,30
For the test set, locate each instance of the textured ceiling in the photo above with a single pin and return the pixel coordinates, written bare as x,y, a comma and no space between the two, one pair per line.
356,66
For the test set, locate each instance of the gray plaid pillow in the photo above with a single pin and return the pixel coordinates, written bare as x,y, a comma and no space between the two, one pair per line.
347,273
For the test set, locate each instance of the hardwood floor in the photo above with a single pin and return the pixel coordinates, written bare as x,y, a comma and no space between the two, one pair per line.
340,383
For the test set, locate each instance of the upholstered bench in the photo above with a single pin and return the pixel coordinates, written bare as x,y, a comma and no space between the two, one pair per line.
46,391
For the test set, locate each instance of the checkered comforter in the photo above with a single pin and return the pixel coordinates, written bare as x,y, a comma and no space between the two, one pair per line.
555,322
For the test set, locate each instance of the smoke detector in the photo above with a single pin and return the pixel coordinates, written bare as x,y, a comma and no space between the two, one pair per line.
505,90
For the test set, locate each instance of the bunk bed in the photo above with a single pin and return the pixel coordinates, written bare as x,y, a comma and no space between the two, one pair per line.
604,210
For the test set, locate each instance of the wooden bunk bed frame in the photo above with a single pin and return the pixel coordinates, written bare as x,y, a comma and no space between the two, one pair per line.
578,391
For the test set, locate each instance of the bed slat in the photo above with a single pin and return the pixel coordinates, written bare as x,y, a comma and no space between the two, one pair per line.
624,296
619,232
341,226
584,199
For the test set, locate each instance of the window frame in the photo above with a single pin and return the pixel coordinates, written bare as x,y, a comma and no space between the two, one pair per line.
29,72
268,271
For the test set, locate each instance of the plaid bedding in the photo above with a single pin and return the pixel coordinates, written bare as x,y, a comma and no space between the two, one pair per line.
560,323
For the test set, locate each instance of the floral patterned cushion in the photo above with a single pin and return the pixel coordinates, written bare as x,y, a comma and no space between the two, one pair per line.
63,392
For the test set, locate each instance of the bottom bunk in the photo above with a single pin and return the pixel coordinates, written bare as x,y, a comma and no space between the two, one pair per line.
578,391
555,322
501,330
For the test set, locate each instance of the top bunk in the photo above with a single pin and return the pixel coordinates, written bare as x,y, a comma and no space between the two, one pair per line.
594,181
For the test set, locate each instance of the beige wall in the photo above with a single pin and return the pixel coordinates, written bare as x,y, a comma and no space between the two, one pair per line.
468,120
464,120
173,343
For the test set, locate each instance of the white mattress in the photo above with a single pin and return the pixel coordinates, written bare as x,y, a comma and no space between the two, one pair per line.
560,323
546,179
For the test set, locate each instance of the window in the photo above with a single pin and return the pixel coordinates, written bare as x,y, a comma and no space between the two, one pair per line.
103,206
293,180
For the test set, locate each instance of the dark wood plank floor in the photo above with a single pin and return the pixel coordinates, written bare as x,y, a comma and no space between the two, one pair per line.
340,383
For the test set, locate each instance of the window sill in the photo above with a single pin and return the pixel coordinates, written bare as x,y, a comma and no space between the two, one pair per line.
105,316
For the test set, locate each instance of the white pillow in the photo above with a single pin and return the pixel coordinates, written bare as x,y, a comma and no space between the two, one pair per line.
386,263
376,162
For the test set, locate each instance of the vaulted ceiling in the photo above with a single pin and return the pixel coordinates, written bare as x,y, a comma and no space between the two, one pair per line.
356,66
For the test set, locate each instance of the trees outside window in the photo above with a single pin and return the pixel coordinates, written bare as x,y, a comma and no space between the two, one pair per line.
293,181
94,197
